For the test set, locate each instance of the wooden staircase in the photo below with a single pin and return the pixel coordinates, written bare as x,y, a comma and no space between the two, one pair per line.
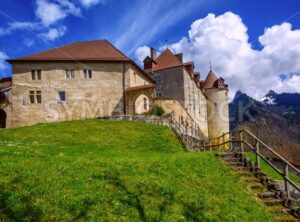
265,189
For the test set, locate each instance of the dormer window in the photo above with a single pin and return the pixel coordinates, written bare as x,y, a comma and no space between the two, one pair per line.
148,65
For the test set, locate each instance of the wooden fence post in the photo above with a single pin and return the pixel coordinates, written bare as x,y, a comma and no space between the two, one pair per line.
231,143
241,141
286,183
223,141
257,156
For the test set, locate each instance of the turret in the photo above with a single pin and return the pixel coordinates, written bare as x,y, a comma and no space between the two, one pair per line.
149,62
216,92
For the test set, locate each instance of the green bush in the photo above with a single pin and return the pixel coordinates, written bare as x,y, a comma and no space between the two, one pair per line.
157,110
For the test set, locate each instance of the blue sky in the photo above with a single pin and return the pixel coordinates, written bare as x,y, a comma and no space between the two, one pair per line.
34,25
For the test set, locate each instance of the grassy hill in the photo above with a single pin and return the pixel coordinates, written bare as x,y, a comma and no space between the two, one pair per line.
115,171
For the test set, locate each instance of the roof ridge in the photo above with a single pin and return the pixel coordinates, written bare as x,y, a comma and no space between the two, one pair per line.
116,48
68,44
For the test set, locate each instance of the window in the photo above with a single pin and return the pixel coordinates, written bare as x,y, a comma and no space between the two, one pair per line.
39,74
159,94
87,74
31,96
36,74
70,74
158,80
145,104
35,97
62,96
39,96
33,74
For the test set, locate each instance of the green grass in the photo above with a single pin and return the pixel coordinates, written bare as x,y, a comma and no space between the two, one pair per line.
270,171
115,171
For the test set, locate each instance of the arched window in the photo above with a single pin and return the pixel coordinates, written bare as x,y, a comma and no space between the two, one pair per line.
145,104
141,104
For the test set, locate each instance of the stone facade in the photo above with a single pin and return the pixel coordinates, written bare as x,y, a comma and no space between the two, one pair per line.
218,113
204,102
101,95
139,100
94,79
177,84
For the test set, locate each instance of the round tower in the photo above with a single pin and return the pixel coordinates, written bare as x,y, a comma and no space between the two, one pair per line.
216,92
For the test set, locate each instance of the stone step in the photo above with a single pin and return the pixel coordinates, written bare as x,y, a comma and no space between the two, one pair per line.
233,159
251,179
235,164
273,187
296,212
244,173
287,218
268,194
255,186
240,168
229,154
273,202
280,210
260,174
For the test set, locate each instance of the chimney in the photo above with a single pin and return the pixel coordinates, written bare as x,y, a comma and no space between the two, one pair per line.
180,57
153,54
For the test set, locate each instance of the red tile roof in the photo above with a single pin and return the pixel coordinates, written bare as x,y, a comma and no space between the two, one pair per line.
167,60
4,85
99,50
90,51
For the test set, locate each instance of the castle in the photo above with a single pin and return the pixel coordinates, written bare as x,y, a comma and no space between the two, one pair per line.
95,79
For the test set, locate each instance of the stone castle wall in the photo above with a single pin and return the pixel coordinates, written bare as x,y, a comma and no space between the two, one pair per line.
177,84
102,95
218,113
195,102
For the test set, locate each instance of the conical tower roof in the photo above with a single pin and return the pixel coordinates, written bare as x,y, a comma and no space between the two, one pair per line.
210,80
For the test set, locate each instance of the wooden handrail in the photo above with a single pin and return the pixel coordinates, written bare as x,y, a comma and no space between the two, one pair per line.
242,140
272,151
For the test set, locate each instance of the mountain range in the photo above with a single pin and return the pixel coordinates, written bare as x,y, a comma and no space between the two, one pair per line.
275,119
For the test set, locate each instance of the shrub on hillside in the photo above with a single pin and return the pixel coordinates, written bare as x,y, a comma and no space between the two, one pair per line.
157,110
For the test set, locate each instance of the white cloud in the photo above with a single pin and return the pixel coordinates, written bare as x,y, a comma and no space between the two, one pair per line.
3,57
223,40
54,33
13,26
51,12
141,53
89,3
28,42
